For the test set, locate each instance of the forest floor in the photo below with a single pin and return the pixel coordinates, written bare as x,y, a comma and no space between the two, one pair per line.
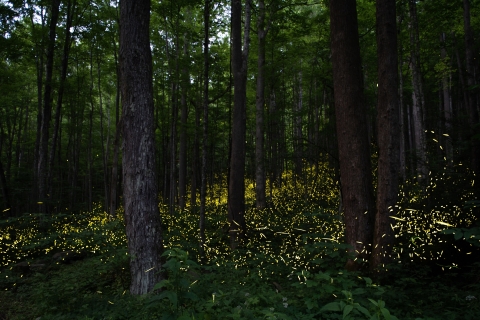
75,266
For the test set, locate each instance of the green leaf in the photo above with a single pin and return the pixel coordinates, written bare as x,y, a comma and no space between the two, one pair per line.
161,284
368,281
311,304
373,301
458,235
381,304
170,295
363,310
332,306
190,296
385,313
347,310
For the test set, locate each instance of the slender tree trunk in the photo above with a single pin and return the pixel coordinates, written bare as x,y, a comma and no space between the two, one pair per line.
260,103
388,129
418,102
106,144
354,155
236,189
461,75
63,76
3,181
142,217
46,113
39,62
297,127
203,188
471,92
116,144
182,156
403,170
447,102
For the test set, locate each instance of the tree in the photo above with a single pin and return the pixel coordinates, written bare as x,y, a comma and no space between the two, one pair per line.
471,94
142,218
203,187
388,127
260,102
46,114
418,99
236,187
351,121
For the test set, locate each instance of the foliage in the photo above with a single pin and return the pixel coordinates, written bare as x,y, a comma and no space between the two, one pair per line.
291,266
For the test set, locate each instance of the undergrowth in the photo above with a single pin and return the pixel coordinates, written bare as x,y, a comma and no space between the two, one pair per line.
75,266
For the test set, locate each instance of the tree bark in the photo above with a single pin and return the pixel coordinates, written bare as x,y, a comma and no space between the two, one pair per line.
447,102
388,129
351,120
418,102
46,113
260,102
236,188
63,76
297,128
203,187
142,218
471,92
182,155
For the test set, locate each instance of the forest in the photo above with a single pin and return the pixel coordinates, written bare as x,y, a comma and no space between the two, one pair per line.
239,159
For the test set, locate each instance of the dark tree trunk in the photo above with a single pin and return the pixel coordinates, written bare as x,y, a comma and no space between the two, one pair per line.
418,100
182,155
203,187
447,102
114,185
46,112
260,102
471,92
63,76
353,148
297,128
388,129
236,187
142,218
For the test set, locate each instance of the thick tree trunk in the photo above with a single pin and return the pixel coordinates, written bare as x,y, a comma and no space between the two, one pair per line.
260,102
236,188
353,148
142,218
388,129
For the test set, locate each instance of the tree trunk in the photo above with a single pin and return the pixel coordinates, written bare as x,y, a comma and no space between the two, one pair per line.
447,102
418,102
236,188
46,113
114,188
182,155
297,128
471,94
260,102
388,129
353,148
142,218
63,76
203,187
